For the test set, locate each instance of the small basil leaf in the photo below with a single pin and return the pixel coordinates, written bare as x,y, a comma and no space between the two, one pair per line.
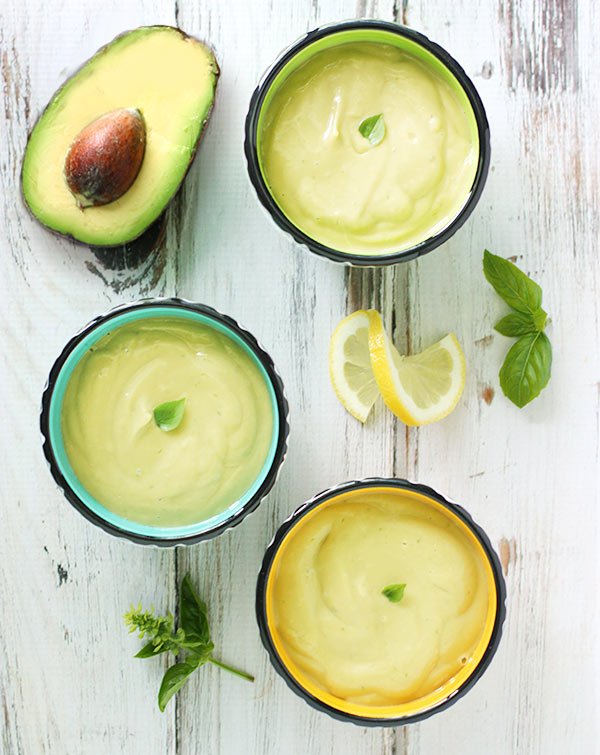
516,324
394,593
150,650
526,369
373,129
168,415
192,613
516,288
173,680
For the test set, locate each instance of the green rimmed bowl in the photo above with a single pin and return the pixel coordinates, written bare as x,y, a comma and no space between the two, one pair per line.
409,41
56,456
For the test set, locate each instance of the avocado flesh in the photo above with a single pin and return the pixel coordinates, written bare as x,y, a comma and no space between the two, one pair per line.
171,79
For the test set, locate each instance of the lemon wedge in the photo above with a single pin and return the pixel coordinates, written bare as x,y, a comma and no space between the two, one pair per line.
350,365
421,388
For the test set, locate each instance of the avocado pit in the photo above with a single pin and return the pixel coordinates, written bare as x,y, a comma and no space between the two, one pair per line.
105,157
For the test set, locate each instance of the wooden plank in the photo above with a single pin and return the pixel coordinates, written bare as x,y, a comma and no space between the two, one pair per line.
68,683
290,299
513,469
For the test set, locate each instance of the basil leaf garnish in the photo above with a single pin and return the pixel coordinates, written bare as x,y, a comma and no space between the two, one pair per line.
526,369
193,616
373,129
192,639
516,288
150,650
527,366
518,324
173,680
168,415
394,593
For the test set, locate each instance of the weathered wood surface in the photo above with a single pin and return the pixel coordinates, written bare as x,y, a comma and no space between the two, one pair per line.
68,682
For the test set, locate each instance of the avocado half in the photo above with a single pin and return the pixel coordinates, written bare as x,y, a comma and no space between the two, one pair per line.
170,78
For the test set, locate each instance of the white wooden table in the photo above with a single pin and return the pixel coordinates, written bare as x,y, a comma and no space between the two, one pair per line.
68,682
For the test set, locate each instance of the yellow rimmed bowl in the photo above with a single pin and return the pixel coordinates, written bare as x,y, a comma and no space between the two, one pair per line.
91,506
487,631
433,58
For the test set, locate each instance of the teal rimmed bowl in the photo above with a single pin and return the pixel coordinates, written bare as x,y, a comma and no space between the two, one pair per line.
56,456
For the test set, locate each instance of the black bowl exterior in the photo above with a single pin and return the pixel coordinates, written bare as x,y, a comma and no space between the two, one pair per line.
261,613
282,409
265,196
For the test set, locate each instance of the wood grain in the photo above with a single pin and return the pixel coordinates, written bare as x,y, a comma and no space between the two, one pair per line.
69,683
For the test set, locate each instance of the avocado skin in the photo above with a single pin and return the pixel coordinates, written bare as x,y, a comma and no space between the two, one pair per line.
216,72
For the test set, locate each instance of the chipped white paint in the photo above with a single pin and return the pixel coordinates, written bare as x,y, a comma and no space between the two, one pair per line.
68,682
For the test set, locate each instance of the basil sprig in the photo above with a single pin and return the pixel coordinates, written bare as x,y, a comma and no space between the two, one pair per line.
191,639
394,593
528,364
373,129
168,415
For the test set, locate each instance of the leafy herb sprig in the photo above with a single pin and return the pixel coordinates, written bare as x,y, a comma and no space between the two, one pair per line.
373,129
191,640
528,364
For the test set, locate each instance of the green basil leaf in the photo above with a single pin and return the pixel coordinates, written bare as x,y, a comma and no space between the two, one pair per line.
521,323
516,288
373,129
150,650
526,369
516,324
173,680
193,618
168,415
394,593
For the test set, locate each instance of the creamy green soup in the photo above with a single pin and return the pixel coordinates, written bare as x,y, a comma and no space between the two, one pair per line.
339,189
337,626
131,466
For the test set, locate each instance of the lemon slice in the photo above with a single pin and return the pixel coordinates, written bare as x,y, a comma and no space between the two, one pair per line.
421,388
350,365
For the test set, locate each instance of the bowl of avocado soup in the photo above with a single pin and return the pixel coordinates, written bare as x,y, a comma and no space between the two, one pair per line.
164,422
380,602
367,142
